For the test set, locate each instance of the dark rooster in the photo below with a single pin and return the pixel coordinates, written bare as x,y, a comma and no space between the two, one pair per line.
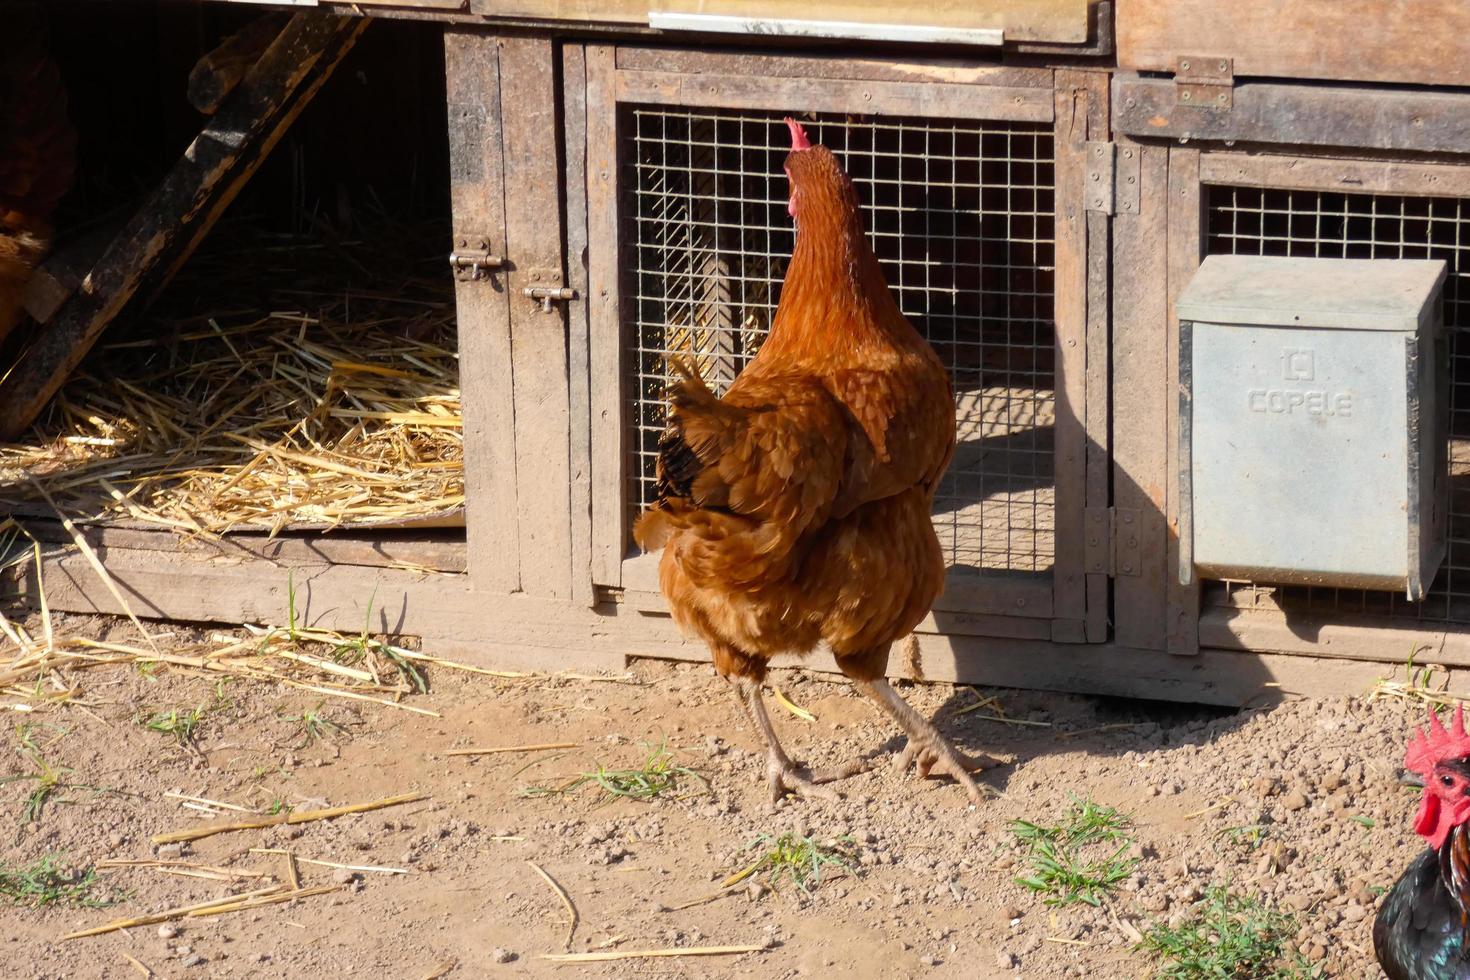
1422,931
794,511
37,152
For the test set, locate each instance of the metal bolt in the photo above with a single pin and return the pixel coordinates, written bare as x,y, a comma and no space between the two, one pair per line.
1096,176
1130,103
1128,154
1127,518
867,96
1220,98
1131,180
1020,603
1127,567
1224,66
1184,97
1184,66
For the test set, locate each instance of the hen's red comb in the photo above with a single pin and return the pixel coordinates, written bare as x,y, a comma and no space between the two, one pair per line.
798,135
1428,749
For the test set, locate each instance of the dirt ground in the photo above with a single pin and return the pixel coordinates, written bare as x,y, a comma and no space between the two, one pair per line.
931,889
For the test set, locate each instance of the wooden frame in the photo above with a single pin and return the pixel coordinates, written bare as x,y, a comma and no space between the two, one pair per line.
1071,605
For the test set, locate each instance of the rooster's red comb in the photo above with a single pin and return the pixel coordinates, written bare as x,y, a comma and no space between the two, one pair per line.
798,135
1428,749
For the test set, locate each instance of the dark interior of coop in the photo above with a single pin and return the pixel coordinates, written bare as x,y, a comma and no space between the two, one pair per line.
332,254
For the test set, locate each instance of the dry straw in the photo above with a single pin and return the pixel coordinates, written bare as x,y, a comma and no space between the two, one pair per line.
291,399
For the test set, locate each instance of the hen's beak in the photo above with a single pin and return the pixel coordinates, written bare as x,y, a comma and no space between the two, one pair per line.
1407,777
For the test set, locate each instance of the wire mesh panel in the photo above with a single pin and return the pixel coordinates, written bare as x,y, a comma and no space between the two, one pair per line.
1260,221
960,215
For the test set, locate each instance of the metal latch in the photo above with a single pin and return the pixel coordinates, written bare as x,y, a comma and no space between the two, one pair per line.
471,264
1206,82
546,294
1111,543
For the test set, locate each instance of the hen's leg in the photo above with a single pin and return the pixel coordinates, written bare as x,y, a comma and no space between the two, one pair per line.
784,775
931,750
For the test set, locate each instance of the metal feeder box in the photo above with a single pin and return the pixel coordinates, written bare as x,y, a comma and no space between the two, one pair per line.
1312,437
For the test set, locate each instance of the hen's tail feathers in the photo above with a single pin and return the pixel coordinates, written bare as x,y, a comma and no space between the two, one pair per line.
691,441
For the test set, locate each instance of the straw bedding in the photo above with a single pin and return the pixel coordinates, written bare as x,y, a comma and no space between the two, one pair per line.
277,382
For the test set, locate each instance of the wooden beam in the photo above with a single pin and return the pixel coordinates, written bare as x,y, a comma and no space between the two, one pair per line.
477,199
538,336
520,632
185,206
216,74
1402,120
1425,42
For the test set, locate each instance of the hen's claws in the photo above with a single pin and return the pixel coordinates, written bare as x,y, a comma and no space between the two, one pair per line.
807,783
938,757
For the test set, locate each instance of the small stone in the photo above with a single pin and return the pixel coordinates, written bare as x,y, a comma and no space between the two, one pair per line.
193,959
1004,960
501,955
343,876
928,960
170,852
168,931
1295,800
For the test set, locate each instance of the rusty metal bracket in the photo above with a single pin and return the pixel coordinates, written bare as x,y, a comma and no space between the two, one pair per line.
1126,535
1100,174
1205,82
1126,175
1097,548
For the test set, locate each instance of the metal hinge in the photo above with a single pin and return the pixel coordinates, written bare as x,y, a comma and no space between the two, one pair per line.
1110,545
472,264
1206,82
1112,177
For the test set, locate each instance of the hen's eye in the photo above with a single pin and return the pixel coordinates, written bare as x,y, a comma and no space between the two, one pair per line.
1447,780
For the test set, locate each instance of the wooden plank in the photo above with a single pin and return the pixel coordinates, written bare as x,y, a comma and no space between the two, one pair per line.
518,632
1070,315
1344,637
1186,219
1424,42
760,64
444,554
216,74
538,339
1001,103
1021,20
1334,174
1224,677
1140,452
59,277
999,595
606,367
574,110
185,206
477,196
1362,118
1099,310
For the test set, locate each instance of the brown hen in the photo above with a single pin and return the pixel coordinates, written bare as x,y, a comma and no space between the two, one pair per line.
794,511
37,152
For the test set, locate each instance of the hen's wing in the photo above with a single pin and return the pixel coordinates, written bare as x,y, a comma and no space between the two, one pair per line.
773,451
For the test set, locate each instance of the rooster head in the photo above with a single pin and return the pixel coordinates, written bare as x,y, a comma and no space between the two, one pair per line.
1441,757
820,189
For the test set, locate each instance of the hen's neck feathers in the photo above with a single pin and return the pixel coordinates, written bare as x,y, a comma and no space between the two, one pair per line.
835,301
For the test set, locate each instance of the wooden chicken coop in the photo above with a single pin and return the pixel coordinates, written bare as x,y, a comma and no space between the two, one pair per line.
1041,178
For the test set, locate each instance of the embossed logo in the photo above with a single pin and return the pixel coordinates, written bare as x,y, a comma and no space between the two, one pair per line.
1298,364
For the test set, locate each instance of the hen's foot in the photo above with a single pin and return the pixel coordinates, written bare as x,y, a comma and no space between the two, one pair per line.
807,783
930,751
935,756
